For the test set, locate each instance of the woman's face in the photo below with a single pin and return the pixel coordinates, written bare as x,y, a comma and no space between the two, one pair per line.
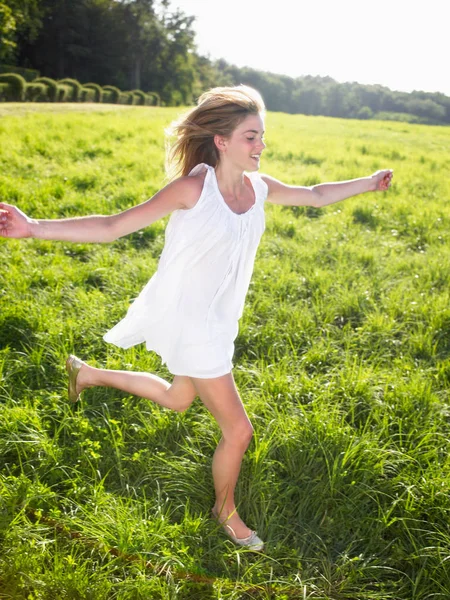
243,149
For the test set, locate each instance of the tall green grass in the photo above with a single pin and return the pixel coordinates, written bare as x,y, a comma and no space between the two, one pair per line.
342,361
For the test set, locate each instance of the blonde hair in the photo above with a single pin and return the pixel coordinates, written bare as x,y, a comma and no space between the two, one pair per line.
218,112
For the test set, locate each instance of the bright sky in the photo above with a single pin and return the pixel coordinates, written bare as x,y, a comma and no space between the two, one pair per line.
402,44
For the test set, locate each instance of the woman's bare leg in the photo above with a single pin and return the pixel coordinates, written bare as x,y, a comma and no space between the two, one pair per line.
221,398
178,395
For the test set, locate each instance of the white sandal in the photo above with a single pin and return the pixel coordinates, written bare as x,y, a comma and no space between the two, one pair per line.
252,542
73,365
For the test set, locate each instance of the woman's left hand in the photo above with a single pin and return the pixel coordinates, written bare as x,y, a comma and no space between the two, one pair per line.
381,180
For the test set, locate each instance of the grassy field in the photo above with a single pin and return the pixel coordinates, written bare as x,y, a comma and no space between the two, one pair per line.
342,361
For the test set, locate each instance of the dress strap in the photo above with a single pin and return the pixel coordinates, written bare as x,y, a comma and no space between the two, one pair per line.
259,184
198,169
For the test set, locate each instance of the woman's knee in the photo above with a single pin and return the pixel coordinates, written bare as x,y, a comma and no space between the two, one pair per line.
221,397
181,394
240,434
182,403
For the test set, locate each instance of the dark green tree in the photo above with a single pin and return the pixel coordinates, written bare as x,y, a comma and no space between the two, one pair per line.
7,32
20,22
142,37
336,101
175,71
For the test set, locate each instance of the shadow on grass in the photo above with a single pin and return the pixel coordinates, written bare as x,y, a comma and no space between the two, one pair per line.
16,332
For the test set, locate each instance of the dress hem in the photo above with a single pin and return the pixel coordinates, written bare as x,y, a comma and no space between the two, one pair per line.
201,376
126,346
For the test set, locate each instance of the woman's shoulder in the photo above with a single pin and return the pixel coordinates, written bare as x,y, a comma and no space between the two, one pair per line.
191,187
267,179
261,180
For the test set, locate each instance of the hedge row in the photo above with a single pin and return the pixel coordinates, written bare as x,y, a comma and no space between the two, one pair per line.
14,88
27,74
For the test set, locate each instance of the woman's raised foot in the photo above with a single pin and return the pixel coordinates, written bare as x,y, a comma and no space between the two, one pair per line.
75,368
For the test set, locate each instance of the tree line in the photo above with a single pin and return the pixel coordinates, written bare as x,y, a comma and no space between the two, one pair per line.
147,45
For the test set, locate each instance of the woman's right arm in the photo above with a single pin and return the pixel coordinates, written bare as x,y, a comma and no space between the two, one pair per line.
179,194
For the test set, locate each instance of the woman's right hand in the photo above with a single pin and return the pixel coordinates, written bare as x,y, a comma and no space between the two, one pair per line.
13,222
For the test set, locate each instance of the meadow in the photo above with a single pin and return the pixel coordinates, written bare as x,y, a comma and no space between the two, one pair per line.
342,361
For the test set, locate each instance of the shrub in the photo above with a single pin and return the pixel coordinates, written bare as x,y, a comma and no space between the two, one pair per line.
176,98
97,90
396,116
126,98
34,92
365,112
87,95
76,88
132,98
52,87
16,84
155,99
140,97
108,97
27,74
5,90
112,95
65,93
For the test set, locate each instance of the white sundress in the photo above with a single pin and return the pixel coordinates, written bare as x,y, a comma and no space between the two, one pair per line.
189,310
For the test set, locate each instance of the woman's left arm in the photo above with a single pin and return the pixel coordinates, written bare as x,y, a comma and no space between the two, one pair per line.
323,194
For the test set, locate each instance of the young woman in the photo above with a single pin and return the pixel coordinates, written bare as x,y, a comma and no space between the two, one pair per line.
189,310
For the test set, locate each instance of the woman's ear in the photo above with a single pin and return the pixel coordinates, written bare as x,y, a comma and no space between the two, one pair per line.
220,143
